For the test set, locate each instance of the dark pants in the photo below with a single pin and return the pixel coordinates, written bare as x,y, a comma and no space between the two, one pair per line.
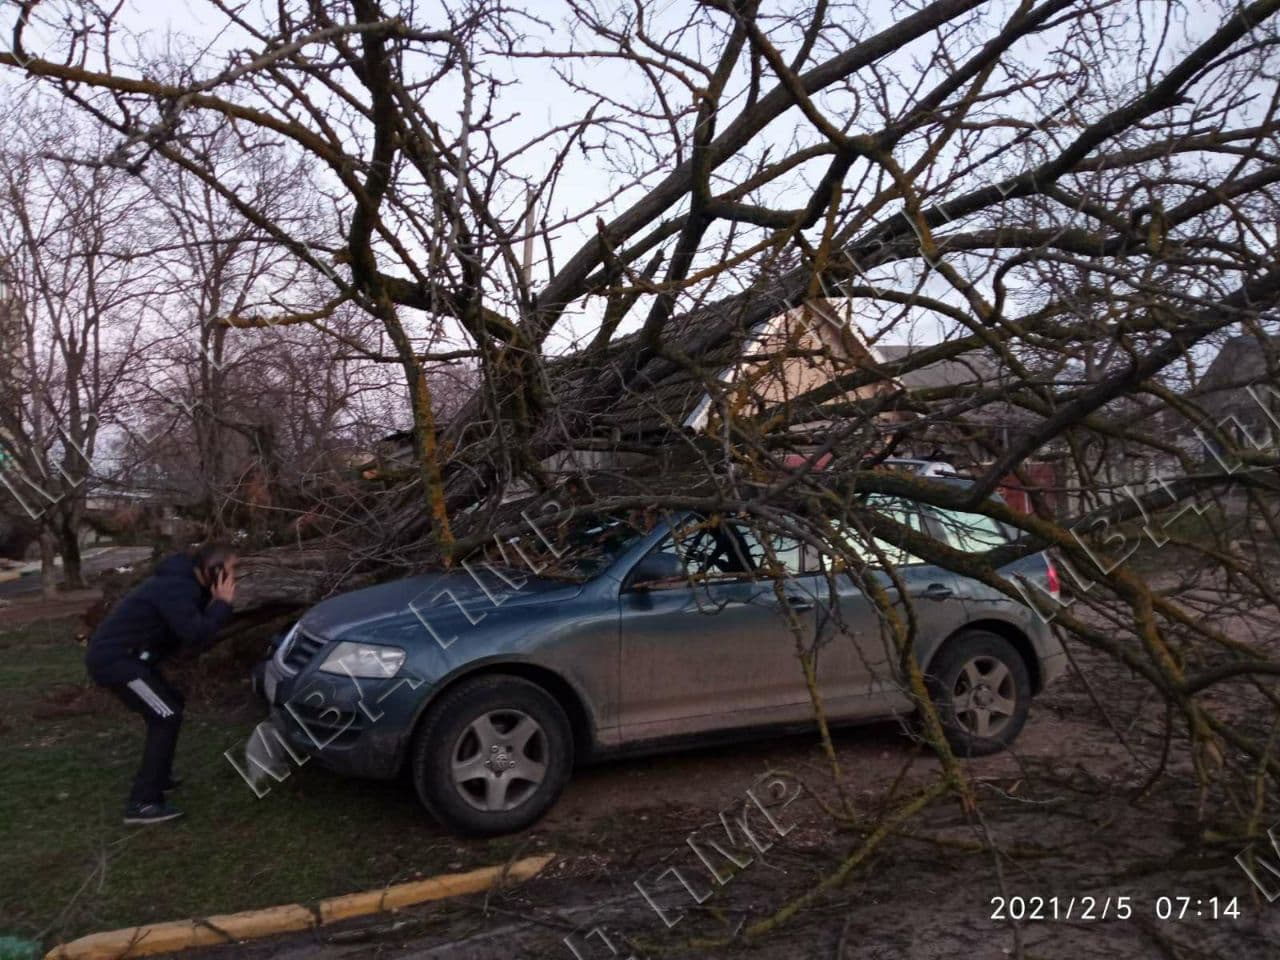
146,692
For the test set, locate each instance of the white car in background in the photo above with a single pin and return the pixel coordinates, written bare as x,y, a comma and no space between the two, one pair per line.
921,468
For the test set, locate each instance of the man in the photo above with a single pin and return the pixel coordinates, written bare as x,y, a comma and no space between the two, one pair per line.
180,606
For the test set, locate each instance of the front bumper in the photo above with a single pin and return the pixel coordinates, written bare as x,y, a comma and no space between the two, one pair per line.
358,728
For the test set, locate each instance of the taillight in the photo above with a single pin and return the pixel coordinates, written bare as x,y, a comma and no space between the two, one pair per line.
1055,585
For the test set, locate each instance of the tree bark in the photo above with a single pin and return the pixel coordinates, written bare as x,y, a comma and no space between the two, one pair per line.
69,547
48,566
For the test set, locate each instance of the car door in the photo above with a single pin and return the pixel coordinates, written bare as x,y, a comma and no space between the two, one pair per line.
974,533
714,650
859,672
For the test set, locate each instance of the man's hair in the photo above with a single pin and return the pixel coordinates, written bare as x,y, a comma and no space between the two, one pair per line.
212,553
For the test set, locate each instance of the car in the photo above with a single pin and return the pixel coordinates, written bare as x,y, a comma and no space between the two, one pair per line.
589,636
921,468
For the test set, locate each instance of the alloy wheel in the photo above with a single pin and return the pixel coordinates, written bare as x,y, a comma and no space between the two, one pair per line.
499,760
985,696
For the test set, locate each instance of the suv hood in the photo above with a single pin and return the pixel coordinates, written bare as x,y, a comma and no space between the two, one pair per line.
431,595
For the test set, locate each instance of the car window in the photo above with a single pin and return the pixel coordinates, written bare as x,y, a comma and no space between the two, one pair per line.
729,551
971,532
709,550
786,550
895,509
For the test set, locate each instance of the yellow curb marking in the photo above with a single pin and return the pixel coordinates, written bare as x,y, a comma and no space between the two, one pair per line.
185,934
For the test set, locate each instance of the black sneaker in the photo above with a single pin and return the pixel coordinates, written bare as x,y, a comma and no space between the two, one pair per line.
144,813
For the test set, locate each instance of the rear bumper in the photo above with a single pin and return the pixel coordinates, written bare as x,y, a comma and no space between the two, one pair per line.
1052,667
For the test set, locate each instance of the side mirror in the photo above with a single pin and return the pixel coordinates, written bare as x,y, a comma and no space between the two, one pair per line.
657,566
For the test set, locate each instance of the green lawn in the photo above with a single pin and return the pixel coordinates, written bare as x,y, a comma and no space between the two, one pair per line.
68,866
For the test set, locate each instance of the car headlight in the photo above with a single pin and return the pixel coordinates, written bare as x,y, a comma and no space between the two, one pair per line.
364,660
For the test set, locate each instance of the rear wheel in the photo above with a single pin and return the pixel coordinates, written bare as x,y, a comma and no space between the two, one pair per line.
982,691
492,755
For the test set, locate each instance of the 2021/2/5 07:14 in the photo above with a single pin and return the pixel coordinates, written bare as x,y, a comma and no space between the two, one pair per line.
1112,908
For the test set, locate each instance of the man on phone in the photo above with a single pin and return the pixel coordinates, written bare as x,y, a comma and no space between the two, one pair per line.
180,606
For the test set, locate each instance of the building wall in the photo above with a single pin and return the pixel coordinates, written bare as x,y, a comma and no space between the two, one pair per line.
799,351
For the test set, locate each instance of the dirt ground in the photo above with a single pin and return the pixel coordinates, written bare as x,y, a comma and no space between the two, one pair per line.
649,868
1061,809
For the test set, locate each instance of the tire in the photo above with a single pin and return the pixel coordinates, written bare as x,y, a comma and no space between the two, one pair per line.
990,724
494,790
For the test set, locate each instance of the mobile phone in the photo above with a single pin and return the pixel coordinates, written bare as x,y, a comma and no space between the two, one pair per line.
216,573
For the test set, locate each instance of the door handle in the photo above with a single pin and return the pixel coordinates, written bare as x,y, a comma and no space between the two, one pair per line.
798,604
937,591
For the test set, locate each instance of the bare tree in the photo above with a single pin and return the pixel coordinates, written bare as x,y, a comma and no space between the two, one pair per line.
82,297
267,410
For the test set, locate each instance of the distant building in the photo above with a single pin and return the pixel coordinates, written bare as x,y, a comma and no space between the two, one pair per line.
737,371
970,439
773,366
1240,392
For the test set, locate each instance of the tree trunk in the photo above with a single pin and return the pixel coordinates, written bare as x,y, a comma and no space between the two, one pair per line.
69,547
48,567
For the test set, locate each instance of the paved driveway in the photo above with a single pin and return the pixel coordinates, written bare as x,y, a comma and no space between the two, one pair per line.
95,562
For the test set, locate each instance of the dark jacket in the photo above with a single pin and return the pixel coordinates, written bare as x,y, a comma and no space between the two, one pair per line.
167,611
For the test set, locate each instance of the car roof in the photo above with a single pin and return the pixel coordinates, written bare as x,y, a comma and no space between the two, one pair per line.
959,482
917,465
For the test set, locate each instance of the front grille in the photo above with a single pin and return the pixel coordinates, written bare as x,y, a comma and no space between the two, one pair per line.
302,651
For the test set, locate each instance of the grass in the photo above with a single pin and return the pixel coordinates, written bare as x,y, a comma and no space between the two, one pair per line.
68,866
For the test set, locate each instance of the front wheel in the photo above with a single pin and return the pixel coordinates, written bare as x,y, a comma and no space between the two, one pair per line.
982,691
492,755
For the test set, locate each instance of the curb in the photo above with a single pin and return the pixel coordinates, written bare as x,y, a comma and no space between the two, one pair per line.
290,918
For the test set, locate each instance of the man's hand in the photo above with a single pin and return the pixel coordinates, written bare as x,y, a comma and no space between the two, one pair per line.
224,587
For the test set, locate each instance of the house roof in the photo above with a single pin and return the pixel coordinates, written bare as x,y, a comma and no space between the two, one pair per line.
660,395
1244,361
970,368
663,396
977,369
